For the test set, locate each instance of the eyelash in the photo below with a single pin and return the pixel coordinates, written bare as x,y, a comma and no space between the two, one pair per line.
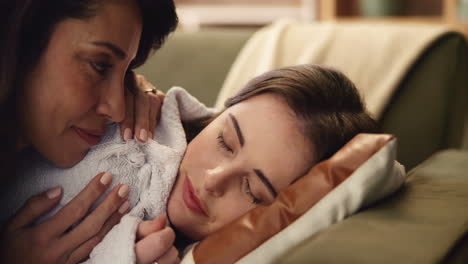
248,191
245,181
100,67
222,143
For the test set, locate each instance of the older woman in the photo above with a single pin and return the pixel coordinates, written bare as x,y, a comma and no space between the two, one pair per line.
63,69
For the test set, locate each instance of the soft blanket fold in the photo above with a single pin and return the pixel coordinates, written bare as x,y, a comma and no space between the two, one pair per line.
374,56
148,168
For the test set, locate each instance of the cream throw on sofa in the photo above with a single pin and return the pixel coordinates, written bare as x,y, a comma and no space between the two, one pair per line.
374,57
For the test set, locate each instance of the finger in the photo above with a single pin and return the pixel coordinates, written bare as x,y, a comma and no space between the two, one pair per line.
154,246
156,101
34,207
78,207
142,109
92,224
161,96
82,252
155,111
113,220
170,257
126,126
145,228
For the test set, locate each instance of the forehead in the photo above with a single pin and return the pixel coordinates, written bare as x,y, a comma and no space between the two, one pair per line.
117,22
117,17
274,140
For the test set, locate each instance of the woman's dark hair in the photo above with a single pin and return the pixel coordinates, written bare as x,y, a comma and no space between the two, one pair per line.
26,28
325,101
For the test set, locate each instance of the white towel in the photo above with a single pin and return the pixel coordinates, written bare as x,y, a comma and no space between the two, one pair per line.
148,168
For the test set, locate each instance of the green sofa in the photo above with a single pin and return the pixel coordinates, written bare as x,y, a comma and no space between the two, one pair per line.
426,221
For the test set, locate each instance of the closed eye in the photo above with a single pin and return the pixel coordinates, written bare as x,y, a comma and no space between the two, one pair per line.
222,143
248,191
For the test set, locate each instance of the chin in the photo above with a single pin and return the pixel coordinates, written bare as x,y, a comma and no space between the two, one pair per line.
177,218
184,226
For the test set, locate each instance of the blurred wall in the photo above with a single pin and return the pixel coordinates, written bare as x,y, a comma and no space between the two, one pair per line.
411,7
243,2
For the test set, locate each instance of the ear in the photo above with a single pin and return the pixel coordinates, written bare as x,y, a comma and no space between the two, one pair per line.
237,239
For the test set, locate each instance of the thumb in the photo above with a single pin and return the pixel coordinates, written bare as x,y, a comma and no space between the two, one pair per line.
146,228
34,207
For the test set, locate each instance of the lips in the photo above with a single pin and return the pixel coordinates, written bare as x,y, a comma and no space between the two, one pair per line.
92,137
191,200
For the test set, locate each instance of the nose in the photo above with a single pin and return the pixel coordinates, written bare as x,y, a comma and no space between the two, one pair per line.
112,101
217,180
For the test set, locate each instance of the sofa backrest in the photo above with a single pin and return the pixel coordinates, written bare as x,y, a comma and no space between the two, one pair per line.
428,112
196,61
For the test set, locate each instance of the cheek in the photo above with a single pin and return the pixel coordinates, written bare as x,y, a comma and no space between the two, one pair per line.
65,87
230,209
78,101
202,153
80,91
56,98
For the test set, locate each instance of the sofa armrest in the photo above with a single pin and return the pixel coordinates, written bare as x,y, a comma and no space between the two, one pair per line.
422,223
428,112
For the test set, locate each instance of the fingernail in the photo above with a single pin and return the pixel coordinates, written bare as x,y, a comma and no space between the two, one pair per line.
127,134
106,178
143,135
124,207
54,193
150,135
123,191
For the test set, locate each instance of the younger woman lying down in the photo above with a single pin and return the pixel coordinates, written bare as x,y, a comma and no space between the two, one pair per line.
205,169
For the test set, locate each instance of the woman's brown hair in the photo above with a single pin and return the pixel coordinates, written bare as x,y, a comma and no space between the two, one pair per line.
326,103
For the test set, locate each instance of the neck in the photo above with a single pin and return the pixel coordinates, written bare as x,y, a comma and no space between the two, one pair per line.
181,241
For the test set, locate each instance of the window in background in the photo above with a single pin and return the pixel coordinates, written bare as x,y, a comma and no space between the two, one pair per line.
196,13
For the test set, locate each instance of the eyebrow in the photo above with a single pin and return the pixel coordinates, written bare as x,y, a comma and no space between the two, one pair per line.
267,183
258,172
238,130
116,50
